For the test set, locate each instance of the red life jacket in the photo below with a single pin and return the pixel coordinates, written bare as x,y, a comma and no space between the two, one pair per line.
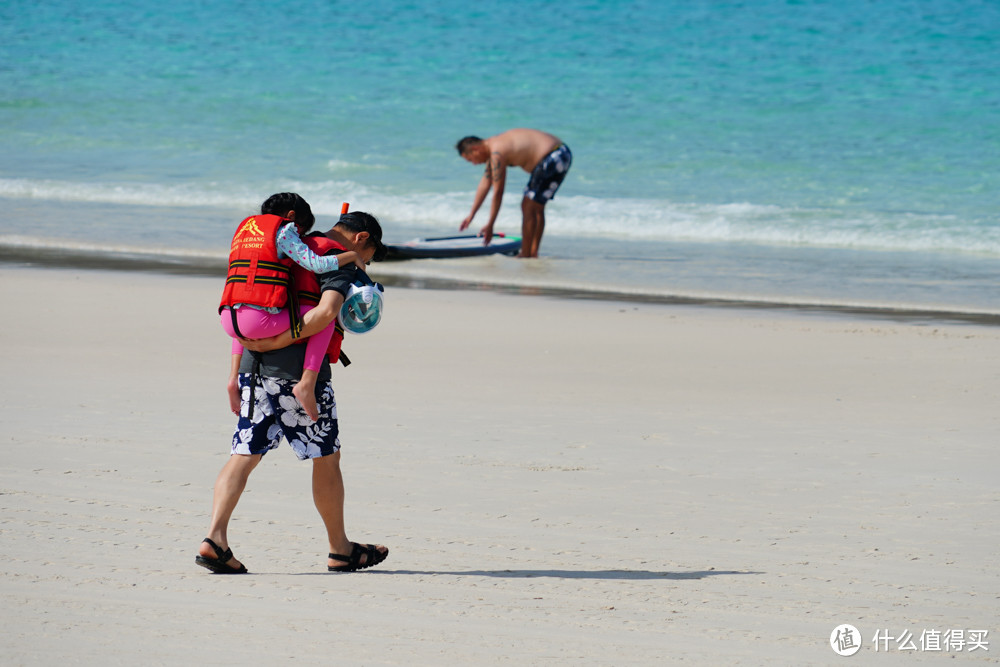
256,275
308,292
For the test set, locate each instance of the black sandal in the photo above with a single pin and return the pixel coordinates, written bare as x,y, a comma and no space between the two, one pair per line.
353,562
219,564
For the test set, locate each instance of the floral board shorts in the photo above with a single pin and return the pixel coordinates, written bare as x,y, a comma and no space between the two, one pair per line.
277,414
548,175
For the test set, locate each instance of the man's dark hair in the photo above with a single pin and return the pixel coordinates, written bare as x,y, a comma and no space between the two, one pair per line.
465,143
283,202
359,221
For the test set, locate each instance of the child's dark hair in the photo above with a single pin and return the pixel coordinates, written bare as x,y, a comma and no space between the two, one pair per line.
283,202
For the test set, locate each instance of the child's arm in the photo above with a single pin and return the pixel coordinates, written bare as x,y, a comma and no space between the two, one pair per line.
291,245
346,258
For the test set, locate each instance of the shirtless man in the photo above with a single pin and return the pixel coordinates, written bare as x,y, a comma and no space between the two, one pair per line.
542,155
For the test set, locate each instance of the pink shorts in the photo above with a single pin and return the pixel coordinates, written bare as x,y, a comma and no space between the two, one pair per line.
255,323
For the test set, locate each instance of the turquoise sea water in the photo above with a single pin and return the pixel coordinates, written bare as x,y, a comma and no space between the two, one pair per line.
795,151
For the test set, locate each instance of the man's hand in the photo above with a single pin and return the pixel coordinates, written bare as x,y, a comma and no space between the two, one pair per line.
233,384
487,233
233,390
284,339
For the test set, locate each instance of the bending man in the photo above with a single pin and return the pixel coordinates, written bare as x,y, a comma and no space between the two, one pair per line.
542,155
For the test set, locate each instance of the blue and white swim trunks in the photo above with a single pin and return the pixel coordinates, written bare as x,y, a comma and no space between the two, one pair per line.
548,175
278,414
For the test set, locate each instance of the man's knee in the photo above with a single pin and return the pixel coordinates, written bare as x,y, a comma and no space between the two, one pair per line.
532,210
243,463
329,462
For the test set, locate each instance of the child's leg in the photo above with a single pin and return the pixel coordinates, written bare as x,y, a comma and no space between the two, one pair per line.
305,389
317,344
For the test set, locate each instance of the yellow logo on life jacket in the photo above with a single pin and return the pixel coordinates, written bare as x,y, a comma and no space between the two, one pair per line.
250,226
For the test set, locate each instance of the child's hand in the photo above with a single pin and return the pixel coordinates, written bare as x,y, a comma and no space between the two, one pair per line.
345,259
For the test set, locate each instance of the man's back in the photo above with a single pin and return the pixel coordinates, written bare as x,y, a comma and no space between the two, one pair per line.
523,147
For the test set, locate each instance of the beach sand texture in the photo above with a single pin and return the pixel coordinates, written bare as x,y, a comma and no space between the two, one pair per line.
558,481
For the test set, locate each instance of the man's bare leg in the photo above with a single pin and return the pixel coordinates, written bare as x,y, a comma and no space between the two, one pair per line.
229,486
532,227
539,230
328,494
527,228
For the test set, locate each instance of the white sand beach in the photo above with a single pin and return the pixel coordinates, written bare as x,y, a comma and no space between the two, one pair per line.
558,481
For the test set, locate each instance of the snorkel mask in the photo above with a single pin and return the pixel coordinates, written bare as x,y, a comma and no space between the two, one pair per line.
362,309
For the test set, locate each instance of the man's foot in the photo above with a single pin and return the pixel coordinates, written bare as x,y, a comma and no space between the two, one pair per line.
362,556
307,397
212,556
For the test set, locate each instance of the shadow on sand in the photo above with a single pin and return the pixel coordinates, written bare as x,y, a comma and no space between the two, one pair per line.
570,574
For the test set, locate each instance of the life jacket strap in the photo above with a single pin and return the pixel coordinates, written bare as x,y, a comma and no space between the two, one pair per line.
254,375
236,324
294,316
262,264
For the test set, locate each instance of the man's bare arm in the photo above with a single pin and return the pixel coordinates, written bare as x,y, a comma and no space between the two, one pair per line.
496,168
481,191
312,322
